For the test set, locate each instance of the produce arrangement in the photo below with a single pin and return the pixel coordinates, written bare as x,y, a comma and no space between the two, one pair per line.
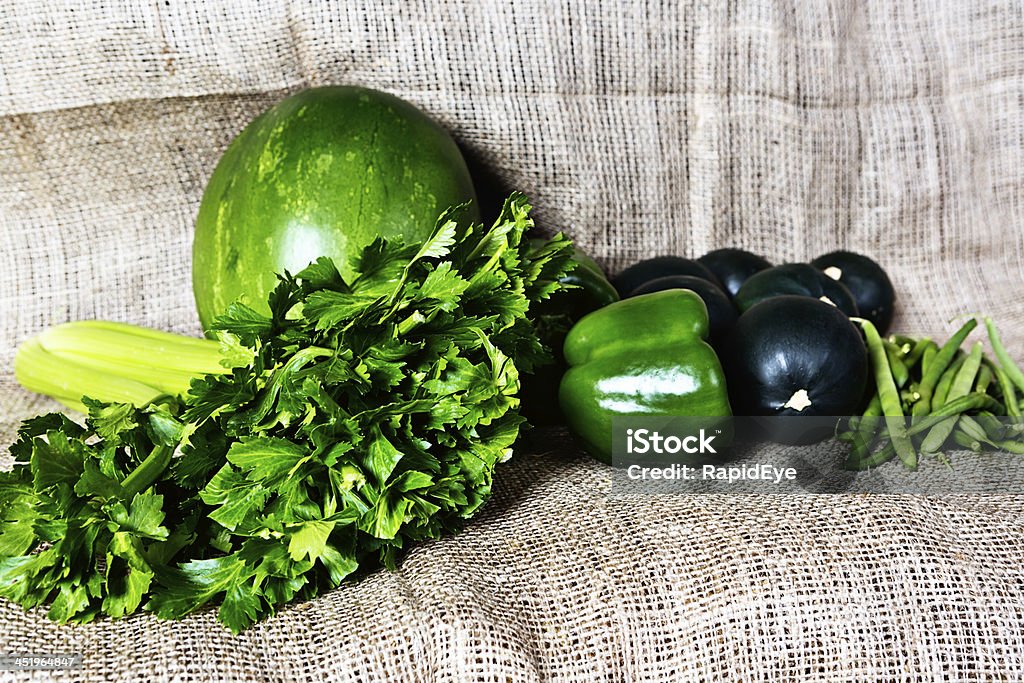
802,344
355,406
373,352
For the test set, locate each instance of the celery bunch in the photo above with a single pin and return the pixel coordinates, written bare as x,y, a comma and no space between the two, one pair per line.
353,419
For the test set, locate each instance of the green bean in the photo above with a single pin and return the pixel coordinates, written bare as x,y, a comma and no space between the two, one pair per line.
889,397
973,428
972,401
910,396
1011,369
928,358
866,429
874,408
1008,390
899,349
961,386
942,389
860,447
917,352
984,378
1015,447
965,440
847,435
968,373
874,460
901,340
993,426
939,363
1015,426
900,372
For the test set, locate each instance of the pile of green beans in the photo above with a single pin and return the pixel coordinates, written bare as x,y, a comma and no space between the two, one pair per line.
928,398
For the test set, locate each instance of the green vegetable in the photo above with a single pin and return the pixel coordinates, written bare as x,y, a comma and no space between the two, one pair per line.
590,290
647,355
888,396
115,362
953,399
587,290
84,513
961,386
939,365
971,427
918,349
927,359
964,404
984,380
862,431
1013,372
358,417
900,372
1007,389
322,173
946,381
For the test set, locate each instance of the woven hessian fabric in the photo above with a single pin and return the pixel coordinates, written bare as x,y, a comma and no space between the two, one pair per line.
639,128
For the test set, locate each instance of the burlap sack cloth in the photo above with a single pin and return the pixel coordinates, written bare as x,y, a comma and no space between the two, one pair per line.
896,129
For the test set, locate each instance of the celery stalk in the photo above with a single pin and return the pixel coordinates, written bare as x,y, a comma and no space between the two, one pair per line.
112,362
132,345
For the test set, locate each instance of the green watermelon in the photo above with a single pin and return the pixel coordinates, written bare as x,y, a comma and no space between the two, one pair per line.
322,173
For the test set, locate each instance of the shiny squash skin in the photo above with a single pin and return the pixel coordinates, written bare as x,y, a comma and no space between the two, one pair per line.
321,173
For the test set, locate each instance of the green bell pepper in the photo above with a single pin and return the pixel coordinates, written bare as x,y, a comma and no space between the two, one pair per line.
643,356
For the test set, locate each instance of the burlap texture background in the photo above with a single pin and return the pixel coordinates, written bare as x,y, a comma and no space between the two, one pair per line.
896,129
